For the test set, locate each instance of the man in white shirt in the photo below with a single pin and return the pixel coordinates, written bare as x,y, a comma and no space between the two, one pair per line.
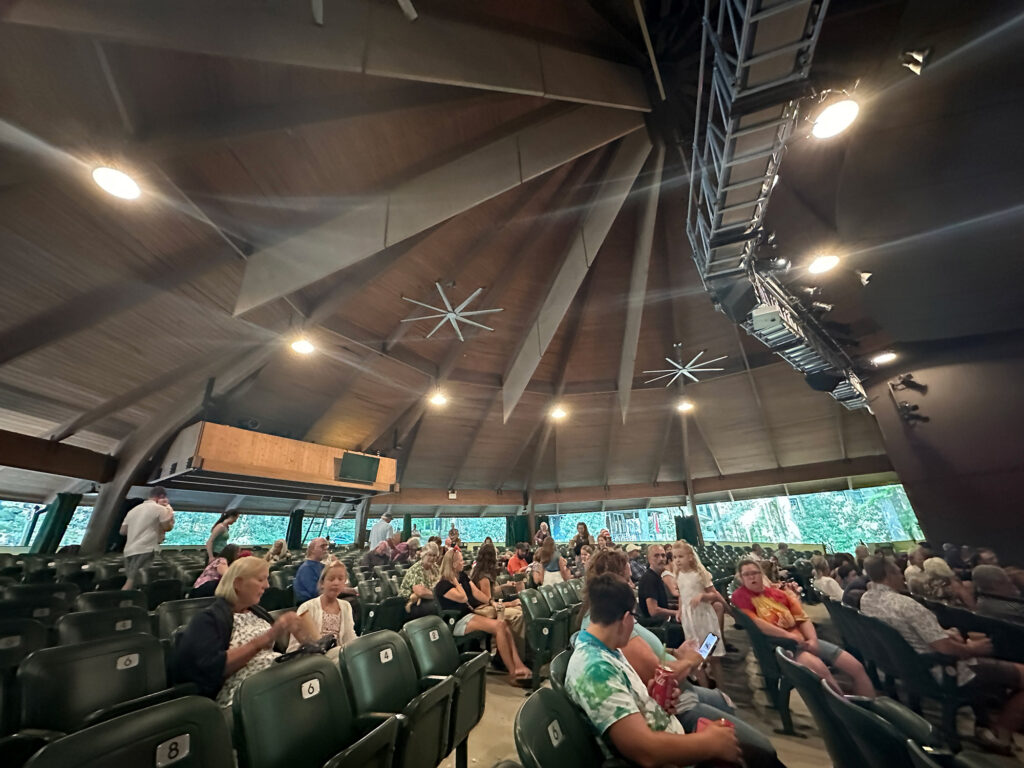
381,530
145,527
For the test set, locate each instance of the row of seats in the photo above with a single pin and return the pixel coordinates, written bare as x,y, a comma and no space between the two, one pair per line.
403,699
552,614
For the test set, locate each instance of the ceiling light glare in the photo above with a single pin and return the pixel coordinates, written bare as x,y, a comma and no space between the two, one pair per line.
883,358
835,118
823,263
303,346
116,183
558,412
438,398
684,406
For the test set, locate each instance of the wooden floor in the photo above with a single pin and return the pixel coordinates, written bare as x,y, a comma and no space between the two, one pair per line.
492,740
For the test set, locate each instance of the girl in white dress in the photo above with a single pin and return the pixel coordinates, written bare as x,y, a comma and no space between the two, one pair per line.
687,580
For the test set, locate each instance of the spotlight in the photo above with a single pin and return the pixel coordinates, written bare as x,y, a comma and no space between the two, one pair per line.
823,263
116,183
821,306
781,264
303,346
559,413
835,118
883,358
684,406
438,398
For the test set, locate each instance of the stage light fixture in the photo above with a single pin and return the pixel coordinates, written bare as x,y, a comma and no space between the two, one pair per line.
116,183
823,263
685,405
835,117
303,346
438,398
558,413
883,358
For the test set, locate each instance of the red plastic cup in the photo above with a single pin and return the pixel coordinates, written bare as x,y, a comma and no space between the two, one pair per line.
703,723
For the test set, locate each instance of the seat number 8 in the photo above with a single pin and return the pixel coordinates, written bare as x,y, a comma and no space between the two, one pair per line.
172,750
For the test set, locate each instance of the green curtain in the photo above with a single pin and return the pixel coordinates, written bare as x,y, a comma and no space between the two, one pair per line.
406,527
516,529
58,515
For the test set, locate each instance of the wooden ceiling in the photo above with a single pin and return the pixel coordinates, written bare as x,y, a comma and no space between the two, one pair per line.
114,313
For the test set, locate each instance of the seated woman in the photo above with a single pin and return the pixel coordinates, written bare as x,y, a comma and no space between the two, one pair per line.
548,566
326,614
208,580
484,576
454,591
823,581
418,583
779,613
938,582
278,553
234,637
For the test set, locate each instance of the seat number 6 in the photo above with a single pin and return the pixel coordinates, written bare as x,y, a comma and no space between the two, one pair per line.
172,750
311,688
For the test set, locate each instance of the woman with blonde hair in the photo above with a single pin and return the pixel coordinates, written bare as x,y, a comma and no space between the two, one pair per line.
278,553
938,582
691,584
548,566
326,614
454,591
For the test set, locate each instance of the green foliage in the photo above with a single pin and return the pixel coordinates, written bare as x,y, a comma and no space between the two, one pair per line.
470,528
193,528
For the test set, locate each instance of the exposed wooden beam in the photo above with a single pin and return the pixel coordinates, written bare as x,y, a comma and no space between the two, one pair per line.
638,276
707,443
757,398
583,248
840,432
511,465
828,470
473,437
609,444
412,206
40,455
360,36
404,450
659,457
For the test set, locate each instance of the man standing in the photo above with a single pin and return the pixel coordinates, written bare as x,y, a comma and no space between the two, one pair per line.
381,530
615,699
306,578
145,526
637,567
654,595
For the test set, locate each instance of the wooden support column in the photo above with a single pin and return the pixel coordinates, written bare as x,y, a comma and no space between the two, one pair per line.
40,455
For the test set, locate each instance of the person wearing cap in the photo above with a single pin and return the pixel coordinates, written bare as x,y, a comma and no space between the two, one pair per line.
637,566
381,531
604,539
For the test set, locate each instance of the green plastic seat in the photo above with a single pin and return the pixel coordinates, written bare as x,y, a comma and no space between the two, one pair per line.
559,665
551,731
546,633
44,609
177,613
553,598
381,677
158,572
62,590
435,654
162,591
18,638
577,587
567,593
776,687
95,625
110,598
62,687
379,608
929,757
190,731
281,580
298,715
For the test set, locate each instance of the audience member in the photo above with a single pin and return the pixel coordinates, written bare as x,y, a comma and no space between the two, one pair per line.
654,596
233,638
615,699
636,564
542,533
920,628
521,560
549,566
405,552
206,584
454,591
854,588
586,552
604,539
779,613
581,539
484,575
219,534
418,583
381,530
861,553
379,555
691,584
308,574
953,557
756,553
984,556
992,583
278,553
327,615
939,582
822,581
784,554
914,570
145,526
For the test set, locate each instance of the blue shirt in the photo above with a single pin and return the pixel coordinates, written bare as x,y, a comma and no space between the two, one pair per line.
306,579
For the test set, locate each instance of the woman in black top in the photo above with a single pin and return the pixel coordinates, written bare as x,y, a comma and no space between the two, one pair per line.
456,592
581,539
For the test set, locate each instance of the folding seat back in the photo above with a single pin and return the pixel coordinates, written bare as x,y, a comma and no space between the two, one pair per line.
551,731
44,609
552,597
188,732
158,572
278,580
567,593
776,687
61,687
94,625
177,613
62,590
380,674
110,598
878,741
162,591
18,638
559,665
298,714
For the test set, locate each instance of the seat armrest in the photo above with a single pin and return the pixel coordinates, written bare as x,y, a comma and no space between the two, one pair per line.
783,642
19,747
133,705
438,691
908,722
471,664
428,682
370,720
378,740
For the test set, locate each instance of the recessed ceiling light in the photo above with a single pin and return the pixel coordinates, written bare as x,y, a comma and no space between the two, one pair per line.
558,412
303,346
684,405
823,263
835,118
883,357
438,398
117,183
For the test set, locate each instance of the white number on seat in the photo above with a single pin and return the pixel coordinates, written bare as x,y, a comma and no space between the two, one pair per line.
125,604
128,661
172,750
555,733
386,655
39,613
121,626
434,635
6,643
311,688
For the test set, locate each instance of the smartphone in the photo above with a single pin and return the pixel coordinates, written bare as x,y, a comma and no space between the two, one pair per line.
708,645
